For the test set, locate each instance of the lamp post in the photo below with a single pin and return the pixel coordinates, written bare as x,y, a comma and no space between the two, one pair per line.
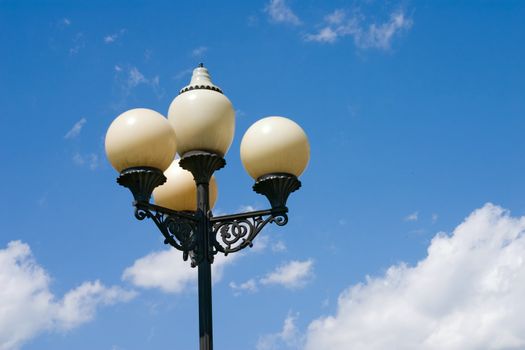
141,145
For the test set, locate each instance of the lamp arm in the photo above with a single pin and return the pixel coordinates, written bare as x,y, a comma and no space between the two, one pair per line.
235,232
178,228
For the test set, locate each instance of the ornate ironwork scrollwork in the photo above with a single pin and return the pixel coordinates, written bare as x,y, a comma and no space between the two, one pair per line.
178,228
229,233
232,233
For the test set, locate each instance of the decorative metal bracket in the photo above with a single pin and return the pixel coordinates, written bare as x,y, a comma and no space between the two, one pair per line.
178,228
198,234
232,233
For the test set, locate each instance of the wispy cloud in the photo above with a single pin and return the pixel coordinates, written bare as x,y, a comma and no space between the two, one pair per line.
29,307
111,38
78,43
63,23
434,218
183,73
136,78
325,35
248,286
260,243
91,160
253,20
289,337
147,54
129,77
76,129
336,17
412,217
199,51
247,208
280,12
278,247
366,35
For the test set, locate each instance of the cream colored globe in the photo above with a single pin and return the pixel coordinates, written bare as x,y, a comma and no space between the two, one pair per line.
179,192
275,145
140,137
203,118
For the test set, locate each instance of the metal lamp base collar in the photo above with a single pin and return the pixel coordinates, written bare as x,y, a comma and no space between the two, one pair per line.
277,187
141,181
202,164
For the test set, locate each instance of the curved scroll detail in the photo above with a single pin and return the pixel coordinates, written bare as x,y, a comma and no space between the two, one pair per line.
237,232
179,230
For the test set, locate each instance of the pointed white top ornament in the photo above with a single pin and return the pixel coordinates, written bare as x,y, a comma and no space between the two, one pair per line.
200,79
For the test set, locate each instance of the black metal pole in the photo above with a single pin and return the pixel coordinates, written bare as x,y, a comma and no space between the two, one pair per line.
204,283
202,165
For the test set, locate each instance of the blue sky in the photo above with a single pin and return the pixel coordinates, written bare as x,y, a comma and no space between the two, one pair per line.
415,113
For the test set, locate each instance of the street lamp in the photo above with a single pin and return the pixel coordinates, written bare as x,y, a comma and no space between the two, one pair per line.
141,145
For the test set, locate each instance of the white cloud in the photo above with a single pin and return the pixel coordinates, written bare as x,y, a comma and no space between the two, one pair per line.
76,129
27,306
155,81
199,51
467,294
78,159
78,43
248,286
79,305
240,113
246,208
280,12
289,337
109,39
374,35
147,54
435,218
136,78
292,275
336,17
183,73
412,217
167,271
91,160
128,77
260,243
380,35
278,247
63,23
325,35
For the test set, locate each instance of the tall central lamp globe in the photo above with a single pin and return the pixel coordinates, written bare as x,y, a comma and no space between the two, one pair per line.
202,116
